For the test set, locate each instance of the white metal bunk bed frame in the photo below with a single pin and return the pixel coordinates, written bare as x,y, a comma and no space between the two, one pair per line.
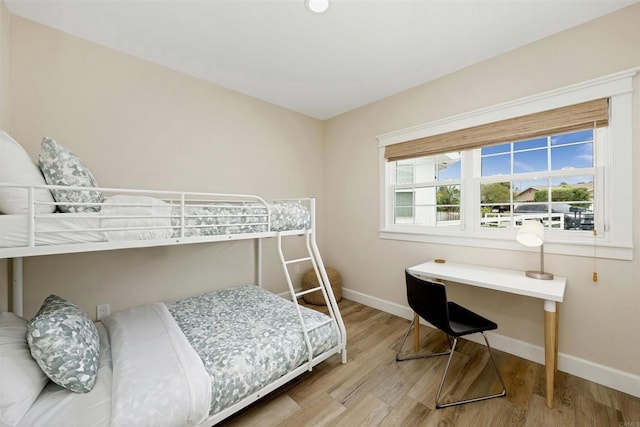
184,198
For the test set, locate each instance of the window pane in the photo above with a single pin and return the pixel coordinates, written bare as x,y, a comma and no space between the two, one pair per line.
404,198
448,195
532,143
572,189
572,156
567,138
429,169
425,215
404,207
404,173
530,161
526,190
425,196
425,203
449,169
448,216
437,206
432,215
448,200
495,204
574,197
530,197
495,217
503,148
496,165
495,193
571,206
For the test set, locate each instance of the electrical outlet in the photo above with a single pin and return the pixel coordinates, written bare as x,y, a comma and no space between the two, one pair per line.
102,311
296,269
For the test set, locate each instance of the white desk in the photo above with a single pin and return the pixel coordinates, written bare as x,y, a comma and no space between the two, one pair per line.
515,282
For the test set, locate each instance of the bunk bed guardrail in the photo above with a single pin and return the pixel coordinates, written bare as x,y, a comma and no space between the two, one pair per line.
126,218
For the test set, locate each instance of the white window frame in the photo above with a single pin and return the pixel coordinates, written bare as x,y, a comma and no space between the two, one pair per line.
614,226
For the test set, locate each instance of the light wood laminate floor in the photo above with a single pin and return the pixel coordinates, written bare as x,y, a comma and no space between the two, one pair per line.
372,389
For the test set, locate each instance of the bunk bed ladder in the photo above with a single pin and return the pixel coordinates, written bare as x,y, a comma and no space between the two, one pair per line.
329,297
324,287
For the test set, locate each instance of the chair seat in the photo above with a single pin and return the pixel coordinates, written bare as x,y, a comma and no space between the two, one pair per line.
465,322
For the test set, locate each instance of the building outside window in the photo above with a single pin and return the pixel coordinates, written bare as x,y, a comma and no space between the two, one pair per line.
427,190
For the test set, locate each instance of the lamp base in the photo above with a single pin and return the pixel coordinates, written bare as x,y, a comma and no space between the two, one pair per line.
540,275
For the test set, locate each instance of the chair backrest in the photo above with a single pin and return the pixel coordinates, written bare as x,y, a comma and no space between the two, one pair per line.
429,300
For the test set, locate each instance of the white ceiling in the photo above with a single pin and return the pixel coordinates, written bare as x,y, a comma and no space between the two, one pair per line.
322,65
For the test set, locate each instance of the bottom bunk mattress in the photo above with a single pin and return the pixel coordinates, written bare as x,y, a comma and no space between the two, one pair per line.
181,363
247,338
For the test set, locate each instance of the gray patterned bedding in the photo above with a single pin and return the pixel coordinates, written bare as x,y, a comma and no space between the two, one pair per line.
146,218
237,218
247,338
131,218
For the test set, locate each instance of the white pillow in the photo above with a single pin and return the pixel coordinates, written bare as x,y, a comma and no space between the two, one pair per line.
21,379
16,167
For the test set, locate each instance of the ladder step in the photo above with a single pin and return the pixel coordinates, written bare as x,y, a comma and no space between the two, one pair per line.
298,260
308,291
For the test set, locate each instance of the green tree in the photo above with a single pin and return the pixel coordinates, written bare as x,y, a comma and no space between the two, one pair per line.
448,195
565,194
499,192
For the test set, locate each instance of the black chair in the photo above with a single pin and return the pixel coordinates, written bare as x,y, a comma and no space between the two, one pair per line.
429,300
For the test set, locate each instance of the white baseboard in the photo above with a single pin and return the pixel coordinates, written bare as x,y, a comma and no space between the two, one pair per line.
623,381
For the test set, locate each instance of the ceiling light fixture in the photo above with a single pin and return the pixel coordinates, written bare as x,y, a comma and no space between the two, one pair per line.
317,6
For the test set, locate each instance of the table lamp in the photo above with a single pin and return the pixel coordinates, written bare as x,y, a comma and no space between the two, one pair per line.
532,234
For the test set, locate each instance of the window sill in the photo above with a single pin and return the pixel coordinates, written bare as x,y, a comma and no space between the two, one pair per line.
585,248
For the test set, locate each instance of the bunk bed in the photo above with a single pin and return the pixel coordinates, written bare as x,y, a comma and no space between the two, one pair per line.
203,358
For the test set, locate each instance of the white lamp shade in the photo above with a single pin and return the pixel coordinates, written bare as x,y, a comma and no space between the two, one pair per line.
531,233
317,6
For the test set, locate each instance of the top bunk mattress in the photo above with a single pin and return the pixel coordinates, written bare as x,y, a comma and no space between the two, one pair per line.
130,218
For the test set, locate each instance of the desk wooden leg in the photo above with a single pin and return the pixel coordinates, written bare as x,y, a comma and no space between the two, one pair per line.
550,347
416,332
556,345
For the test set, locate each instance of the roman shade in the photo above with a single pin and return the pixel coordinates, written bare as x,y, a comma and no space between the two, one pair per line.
565,119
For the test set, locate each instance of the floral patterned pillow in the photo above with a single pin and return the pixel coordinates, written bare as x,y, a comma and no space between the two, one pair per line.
61,167
65,343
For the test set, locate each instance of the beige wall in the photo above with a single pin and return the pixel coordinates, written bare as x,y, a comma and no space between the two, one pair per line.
599,321
4,66
138,125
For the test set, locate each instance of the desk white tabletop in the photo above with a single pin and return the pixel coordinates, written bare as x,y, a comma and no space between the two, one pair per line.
513,281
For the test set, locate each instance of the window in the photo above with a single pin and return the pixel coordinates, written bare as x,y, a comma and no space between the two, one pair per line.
575,179
551,179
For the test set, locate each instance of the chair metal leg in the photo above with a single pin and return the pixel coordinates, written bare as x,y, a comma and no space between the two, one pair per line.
475,399
415,356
